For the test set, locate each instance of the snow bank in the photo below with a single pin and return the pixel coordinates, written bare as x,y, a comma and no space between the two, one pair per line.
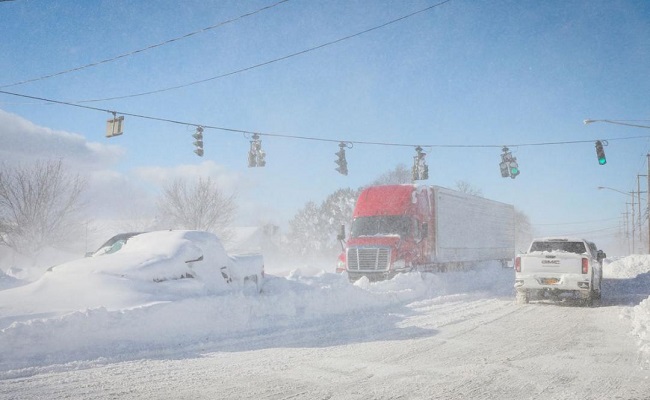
113,319
8,281
635,268
641,324
627,267
188,317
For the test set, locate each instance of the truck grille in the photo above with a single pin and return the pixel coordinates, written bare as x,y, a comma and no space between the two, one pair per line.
368,259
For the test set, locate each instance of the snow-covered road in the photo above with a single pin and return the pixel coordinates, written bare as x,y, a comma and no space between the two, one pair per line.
450,341
457,348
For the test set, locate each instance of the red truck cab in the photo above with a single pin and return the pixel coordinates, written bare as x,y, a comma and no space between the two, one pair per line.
389,232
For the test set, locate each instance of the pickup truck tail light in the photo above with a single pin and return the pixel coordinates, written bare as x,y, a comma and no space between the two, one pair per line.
518,264
585,265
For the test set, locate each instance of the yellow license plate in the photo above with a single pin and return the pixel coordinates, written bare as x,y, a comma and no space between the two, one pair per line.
550,281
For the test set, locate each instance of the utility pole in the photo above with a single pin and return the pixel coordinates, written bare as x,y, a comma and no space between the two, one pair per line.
648,205
640,216
627,229
632,222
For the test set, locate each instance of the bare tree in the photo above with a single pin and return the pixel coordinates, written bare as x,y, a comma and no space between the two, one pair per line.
39,206
201,206
466,187
399,175
523,231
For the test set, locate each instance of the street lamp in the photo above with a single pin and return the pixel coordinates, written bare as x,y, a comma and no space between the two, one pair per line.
626,194
615,122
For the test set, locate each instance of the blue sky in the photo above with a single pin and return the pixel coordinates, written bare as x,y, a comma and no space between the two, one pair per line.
477,73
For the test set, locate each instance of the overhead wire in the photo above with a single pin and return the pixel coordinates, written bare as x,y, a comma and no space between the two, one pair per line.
578,222
314,48
142,50
591,231
302,137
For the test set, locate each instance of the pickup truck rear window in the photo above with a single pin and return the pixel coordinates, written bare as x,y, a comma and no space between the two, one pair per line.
569,247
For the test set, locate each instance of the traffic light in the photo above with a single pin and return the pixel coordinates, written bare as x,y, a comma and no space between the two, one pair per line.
198,141
600,153
420,167
256,155
514,168
505,169
341,161
508,165
115,126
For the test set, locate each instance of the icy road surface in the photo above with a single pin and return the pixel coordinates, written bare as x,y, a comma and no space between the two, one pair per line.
472,342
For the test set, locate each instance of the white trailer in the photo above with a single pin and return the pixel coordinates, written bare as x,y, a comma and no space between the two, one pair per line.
469,228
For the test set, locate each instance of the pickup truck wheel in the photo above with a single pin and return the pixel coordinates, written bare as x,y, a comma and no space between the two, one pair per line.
598,293
522,297
589,301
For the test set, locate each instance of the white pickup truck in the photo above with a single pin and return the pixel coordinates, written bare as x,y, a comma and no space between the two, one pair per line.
558,268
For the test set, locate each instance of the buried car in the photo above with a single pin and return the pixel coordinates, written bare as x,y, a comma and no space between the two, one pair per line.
148,269
160,256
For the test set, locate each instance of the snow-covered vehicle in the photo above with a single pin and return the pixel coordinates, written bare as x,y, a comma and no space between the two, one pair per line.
558,268
160,256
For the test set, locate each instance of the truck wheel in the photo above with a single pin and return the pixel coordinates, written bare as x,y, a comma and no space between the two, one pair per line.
598,294
593,294
589,301
522,297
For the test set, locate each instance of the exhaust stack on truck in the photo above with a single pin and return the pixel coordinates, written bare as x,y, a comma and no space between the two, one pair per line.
402,228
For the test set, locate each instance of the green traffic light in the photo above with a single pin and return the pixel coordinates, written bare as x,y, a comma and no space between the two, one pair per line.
602,160
514,171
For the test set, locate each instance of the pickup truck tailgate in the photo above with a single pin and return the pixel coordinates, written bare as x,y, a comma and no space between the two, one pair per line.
544,262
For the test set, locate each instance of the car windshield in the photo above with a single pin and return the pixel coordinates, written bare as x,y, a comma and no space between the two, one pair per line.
114,244
381,225
569,247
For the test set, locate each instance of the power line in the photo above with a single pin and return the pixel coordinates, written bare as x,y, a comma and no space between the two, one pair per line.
578,222
268,62
153,46
592,231
300,137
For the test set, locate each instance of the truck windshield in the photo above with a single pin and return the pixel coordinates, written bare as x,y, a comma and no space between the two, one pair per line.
381,225
569,247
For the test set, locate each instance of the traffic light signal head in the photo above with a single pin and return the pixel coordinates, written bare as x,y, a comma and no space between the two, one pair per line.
341,161
508,164
514,168
420,168
256,156
505,169
600,153
198,142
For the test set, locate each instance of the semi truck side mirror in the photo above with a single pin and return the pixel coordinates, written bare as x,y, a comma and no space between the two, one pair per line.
341,235
425,230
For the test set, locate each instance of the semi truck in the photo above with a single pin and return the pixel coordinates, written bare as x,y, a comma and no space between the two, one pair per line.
402,228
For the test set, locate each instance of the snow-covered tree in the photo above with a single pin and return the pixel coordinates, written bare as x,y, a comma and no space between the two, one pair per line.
313,230
306,235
